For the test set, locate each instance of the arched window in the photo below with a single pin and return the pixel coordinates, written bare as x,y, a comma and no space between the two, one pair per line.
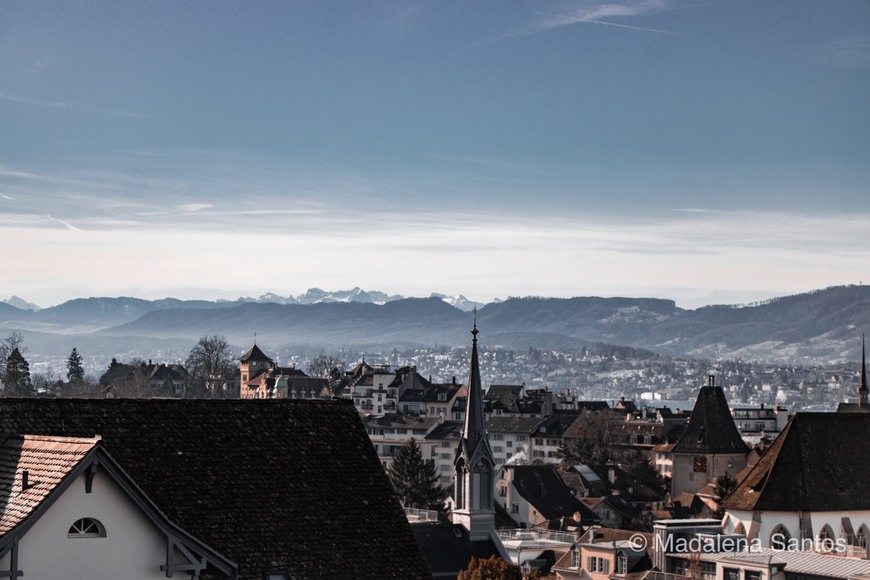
827,533
779,538
87,528
862,537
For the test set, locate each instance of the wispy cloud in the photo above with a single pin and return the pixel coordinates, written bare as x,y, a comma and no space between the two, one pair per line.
67,105
599,14
67,224
194,207
4,196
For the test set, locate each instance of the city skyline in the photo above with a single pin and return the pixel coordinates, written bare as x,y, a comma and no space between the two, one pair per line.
703,152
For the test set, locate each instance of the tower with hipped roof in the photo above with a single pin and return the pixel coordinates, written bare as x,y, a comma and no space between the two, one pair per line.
252,363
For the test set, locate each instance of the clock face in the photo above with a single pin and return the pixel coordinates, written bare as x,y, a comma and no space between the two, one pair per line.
700,465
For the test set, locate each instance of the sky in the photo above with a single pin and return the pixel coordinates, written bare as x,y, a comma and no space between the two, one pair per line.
706,152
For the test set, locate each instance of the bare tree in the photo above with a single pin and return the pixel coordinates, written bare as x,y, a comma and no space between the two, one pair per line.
324,366
211,360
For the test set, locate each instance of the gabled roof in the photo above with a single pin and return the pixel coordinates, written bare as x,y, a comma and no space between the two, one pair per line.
711,429
256,480
504,396
47,461
36,470
446,430
542,487
819,462
255,354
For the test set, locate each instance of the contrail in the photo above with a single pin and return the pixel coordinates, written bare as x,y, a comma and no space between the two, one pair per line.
67,224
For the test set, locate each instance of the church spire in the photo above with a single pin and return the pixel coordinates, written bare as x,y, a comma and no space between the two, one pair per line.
862,388
475,422
474,463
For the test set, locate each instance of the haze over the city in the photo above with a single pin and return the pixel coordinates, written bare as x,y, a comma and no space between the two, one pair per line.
709,152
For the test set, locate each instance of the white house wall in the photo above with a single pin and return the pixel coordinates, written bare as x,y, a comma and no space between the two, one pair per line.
133,548
769,520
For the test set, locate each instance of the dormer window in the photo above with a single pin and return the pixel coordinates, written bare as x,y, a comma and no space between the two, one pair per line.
621,564
87,528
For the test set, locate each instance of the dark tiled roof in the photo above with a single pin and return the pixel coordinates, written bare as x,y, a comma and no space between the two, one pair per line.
853,408
447,547
711,428
820,462
541,486
432,394
446,430
255,354
265,483
521,425
556,425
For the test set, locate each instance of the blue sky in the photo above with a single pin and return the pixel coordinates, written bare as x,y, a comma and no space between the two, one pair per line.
710,152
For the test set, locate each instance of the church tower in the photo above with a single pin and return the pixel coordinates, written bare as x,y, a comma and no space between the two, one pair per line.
474,464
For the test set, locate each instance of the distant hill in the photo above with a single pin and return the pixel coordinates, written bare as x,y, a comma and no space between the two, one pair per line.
820,326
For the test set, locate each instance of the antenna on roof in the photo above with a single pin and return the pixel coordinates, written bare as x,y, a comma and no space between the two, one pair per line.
255,338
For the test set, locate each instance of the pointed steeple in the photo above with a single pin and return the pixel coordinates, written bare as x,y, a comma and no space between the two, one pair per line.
474,463
475,421
862,388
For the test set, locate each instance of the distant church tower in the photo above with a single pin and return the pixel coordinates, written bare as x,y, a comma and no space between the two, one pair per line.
473,466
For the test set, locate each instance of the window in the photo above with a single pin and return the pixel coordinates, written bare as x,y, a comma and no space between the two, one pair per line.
515,509
575,557
751,575
708,569
731,574
87,528
779,538
598,565
862,537
509,444
622,564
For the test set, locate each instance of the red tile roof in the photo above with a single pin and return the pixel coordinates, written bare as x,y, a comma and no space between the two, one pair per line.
46,462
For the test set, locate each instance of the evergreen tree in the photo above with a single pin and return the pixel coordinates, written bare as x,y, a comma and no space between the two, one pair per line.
7,345
16,380
74,371
415,479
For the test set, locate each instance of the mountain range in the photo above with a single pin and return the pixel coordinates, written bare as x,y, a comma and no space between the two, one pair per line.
820,326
